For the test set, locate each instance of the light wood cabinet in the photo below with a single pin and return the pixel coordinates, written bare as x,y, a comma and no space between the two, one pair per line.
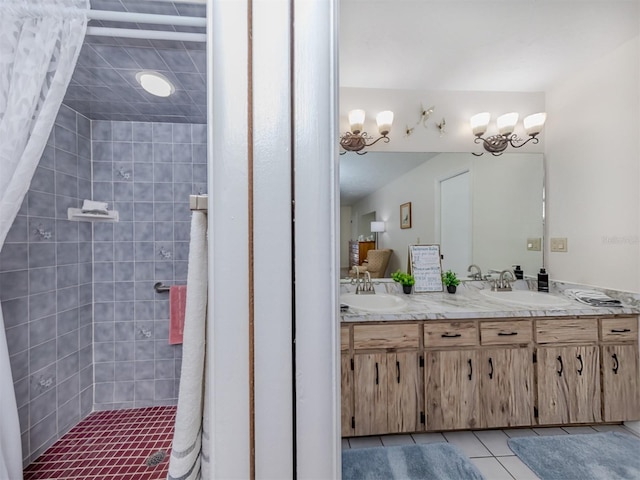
386,393
451,390
478,387
620,369
620,388
488,373
346,395
506,387
387,379
404,402
370,393
568,384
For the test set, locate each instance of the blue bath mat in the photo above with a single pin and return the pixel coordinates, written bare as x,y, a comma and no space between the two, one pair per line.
441,461
598,456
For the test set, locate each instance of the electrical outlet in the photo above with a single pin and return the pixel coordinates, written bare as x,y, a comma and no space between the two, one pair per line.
559,244
534,244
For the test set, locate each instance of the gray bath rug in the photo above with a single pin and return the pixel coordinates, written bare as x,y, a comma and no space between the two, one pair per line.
441,461
598,456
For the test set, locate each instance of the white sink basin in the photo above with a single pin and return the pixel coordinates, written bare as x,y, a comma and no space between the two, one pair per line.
527,298
379,302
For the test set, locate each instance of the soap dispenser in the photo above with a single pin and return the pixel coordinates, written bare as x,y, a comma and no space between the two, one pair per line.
519,273
543,281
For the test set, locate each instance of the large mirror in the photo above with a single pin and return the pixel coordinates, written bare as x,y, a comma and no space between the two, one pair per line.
486,210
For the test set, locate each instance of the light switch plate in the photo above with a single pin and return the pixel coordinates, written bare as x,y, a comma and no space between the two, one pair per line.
559,244
534,244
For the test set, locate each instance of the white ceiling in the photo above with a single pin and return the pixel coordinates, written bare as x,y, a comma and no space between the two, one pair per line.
508,45
362,174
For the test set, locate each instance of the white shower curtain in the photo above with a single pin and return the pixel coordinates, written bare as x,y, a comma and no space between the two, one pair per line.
39,46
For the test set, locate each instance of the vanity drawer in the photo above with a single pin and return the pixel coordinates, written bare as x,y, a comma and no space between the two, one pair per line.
450,334
393,335
506,332
567,331
344,339
618,329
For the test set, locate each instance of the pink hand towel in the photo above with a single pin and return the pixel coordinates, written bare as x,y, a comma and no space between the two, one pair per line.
177,303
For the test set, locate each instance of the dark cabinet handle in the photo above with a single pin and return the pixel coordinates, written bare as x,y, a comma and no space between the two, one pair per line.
376,373
450,335
579,357
620,330
616,364
470,369
491,367
398,370
561,367
504,334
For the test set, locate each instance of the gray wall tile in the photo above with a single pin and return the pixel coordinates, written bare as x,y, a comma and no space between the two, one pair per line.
145,171
44,275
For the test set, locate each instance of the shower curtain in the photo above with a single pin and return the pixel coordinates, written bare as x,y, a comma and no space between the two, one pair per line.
39,46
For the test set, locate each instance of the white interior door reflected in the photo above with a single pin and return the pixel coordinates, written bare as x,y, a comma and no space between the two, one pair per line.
455,223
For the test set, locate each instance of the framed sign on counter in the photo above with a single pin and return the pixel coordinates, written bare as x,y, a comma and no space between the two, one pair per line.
426,267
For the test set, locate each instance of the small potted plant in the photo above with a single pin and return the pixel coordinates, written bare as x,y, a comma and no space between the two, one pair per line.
450,279
405,279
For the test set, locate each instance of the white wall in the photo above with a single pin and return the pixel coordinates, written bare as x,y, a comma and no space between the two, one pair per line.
592,161
507,213
500,226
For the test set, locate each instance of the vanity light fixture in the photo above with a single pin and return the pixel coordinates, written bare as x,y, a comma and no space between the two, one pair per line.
497,144
155,83
356,140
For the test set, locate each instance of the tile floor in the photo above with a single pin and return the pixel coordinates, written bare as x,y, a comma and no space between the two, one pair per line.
110,445
487,449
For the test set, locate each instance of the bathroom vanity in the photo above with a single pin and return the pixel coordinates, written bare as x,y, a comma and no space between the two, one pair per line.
464,361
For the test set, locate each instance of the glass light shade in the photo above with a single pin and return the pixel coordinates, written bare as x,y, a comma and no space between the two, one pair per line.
533,123
155,83
356,121
507,123
377,227
480,122
384,121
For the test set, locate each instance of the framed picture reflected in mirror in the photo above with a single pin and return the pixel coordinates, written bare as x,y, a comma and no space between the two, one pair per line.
405,215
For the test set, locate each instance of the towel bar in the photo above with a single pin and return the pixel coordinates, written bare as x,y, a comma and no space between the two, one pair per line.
160,288
198,203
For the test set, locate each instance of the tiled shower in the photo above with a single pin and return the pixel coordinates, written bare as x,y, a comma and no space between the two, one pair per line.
86,329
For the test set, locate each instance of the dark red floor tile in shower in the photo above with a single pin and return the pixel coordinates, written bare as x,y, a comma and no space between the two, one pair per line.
110,445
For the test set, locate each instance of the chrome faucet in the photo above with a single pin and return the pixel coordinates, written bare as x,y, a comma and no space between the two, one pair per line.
476,275
365,287
502,284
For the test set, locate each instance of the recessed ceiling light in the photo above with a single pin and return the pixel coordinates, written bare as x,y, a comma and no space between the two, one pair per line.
155,83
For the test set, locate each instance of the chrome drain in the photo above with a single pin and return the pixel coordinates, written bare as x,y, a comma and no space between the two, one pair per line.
156,458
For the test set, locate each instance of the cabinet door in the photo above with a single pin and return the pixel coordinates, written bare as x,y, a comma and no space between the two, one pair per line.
451,390
583,367
403,394
506,387
346,388
620,383
553,388
370,393
568,385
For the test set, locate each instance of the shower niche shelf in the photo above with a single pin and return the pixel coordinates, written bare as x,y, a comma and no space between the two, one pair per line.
76,215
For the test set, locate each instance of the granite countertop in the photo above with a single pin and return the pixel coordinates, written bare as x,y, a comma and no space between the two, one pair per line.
468,303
